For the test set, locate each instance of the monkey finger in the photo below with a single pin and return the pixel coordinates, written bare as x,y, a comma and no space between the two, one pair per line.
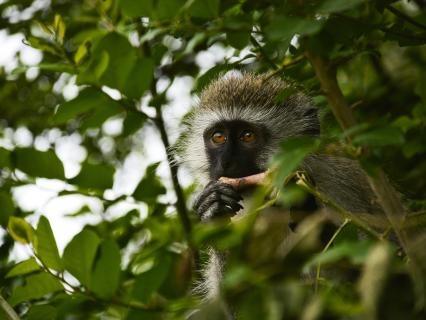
228,201
229,191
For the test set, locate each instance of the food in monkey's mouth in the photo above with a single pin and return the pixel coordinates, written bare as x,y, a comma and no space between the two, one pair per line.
245,182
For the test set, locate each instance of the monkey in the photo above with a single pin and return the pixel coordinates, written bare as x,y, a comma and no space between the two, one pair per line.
234,132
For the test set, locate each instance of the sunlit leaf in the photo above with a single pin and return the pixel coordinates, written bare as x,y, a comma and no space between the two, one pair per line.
45,245
20,230
79,255
36,286
290,156
23,267
106,272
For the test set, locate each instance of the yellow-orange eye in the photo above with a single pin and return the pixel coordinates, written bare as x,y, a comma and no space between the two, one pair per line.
218,137
248,136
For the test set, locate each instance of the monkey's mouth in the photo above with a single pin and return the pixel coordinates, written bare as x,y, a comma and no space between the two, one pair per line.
246,182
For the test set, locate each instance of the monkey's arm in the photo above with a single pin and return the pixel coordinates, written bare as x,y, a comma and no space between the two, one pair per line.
217,200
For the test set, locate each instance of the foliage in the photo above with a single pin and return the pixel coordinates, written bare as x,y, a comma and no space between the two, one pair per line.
129,266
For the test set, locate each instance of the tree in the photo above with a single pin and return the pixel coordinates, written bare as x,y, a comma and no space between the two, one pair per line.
363,63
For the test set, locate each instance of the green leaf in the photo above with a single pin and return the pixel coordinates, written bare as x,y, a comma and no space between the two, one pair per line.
211,74
45,245
330,6
20,230
150,186
81,52
380,137
284,27
24,267
39,163
4,158
88,99
238,39
58,67
291,154
204,9
59,27
133,122
36,287
97,176
42,312
106,272
134,8
79,255
92,71
7,207
140,78
168,9
356,252
150,281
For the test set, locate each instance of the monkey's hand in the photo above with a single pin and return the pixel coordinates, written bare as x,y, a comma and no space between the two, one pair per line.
218,199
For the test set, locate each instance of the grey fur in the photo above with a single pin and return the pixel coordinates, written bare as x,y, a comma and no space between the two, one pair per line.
255,99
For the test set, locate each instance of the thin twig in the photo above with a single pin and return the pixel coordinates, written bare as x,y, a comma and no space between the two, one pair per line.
317,277
405,17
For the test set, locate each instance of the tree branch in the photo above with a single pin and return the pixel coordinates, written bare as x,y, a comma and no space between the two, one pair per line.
8,310
384,191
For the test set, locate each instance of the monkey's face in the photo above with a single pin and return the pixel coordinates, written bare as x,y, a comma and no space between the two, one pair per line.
234,148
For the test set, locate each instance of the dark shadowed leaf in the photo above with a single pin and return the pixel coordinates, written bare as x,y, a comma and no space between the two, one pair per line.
204,9
284,27
330,6
238,39
140,78
380,137
150,281
79,255
89,99
168,9
39,163
7,207
133,122
36,286
4,158
134,8
150,186
45,245
97,176
106,272
42,312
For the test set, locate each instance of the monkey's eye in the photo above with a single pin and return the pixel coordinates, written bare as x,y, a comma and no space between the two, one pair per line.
218,137
248,136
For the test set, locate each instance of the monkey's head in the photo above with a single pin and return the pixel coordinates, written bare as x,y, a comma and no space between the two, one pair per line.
239,122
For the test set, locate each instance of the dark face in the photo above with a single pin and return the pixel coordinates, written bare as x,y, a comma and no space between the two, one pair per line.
233,148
